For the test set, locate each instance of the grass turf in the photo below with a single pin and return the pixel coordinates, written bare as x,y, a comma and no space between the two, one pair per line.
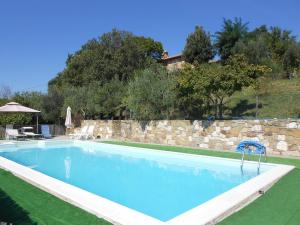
24,204
278,206
233,155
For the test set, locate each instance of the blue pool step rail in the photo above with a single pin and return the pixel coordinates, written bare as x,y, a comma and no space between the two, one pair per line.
251,148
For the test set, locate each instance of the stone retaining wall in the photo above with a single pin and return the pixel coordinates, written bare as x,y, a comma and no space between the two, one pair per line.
281,137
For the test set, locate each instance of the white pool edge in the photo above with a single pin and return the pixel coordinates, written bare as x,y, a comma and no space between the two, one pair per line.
101,207
207,213
225,204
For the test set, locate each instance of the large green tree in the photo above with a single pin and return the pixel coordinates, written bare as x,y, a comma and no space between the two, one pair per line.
32,99
52,105
209,85
191,100
108,99
291,59
79,99
263,45
115,55
255,49
151,95
198,47
96,100
279,41
15,119
230,34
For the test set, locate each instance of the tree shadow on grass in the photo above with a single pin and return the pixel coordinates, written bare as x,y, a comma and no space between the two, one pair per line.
11,213
242,109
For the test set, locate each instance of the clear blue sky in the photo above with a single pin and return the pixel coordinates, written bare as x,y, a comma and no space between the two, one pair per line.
36,36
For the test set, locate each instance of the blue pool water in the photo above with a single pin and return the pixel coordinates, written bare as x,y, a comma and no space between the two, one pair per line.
159,184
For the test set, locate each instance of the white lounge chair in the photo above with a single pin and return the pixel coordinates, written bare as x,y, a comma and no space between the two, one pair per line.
7,127
14,134
90,132
79,134
28,131
32,135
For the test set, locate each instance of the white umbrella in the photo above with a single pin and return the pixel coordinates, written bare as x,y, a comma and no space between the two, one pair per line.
14,107
68,122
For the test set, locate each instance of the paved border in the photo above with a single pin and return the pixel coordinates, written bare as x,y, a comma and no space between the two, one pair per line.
209,212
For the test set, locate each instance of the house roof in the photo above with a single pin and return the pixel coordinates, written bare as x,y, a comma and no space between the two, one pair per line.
173,57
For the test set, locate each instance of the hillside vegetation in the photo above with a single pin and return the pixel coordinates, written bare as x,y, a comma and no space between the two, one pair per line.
120,75
281,99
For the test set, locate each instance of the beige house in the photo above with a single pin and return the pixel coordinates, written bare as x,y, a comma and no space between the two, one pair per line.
172,62
176,62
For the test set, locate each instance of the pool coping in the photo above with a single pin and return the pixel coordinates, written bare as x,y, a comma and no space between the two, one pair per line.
209,212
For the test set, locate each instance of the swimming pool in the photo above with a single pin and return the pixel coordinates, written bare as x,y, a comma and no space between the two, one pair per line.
160,187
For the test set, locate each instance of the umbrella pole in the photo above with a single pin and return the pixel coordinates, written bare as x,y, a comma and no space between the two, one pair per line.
37,123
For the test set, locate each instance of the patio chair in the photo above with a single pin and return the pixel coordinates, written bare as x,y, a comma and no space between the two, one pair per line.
79,134
46,131
90,133
8,126
14,134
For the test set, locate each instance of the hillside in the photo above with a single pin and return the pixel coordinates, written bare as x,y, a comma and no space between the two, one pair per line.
281,99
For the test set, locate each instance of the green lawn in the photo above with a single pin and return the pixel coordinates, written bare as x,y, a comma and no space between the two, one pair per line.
24,204
197,151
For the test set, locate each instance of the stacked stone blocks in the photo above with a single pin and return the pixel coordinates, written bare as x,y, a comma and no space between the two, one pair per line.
281,137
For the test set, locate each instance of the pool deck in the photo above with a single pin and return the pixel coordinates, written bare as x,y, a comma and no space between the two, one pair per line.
208,213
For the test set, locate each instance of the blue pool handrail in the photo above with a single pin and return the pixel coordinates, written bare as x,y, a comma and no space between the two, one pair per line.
251,147
244,146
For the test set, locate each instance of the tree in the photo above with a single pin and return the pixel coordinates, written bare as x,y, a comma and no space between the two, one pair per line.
96,100
279,41
209,85
251,75
151,95
260,87
15,118
78,99
255,50
274,47
108,99
32,99
198,48
191,100
52,105
114,55
291,59
151,48
231,33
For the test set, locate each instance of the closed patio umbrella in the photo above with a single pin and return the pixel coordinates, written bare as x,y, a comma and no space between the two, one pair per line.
68,122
